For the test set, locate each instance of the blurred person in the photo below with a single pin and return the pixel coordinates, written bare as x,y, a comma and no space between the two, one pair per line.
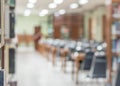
37,36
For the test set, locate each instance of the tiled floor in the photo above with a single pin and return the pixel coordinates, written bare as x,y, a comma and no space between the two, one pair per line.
34,70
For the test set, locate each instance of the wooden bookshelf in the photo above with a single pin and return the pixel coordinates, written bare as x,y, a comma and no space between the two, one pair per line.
109,43
115,19
110,19
115,1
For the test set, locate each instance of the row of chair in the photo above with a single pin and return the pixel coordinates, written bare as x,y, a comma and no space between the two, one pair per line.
84,55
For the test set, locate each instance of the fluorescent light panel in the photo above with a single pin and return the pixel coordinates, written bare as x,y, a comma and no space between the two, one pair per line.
30,5
52,5
82,2
27,12
74,5
62,11
58,1
33,1
43,12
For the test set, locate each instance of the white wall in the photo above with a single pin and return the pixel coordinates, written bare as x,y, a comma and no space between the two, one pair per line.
26,24
97,26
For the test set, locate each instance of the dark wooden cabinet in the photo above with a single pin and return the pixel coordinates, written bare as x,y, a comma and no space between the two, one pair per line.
74,22
76,25
58,21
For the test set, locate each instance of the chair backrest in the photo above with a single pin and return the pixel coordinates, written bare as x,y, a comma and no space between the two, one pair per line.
99,66
87,63
117,81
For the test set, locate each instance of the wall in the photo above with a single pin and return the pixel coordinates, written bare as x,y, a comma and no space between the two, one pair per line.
26,24
97,26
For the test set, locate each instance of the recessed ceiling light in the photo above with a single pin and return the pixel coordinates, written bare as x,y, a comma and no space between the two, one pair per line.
62,11
82,2
30,5
74,5
43,12
32,1
58,1
27,12
52,5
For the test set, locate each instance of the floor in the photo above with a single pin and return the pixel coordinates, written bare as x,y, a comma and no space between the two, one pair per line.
32,69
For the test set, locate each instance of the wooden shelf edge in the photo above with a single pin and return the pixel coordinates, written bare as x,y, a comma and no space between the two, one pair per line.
115,1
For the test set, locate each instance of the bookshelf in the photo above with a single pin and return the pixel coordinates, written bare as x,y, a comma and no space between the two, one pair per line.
7,8
112,16
2,23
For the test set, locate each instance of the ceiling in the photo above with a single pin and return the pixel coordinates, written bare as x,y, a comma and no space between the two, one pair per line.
43,4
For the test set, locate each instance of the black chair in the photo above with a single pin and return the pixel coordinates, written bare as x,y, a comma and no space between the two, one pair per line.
89,47
2,78
117,82
99,65
88,59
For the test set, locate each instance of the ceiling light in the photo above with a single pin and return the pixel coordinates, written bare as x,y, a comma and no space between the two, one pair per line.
74,5
27,12
30,5
82,2
43,12
52,5
32,1
62,11
58,1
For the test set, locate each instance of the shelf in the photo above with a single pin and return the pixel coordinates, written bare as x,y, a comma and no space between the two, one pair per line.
115,19
115,1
